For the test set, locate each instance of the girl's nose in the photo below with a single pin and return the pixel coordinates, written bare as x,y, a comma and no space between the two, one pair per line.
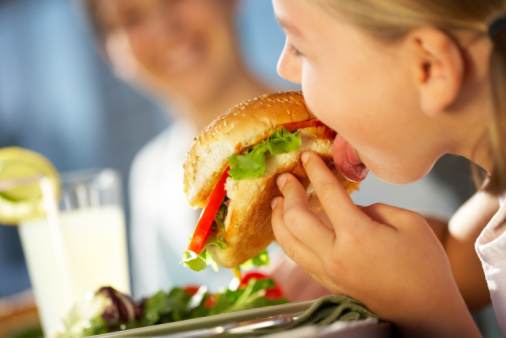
288,65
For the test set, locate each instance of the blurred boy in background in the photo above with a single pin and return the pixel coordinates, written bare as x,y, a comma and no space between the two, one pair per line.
186,53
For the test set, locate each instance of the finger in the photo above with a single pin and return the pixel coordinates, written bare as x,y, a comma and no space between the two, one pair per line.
296,195
293,191
393,217
292,247
305,285
300,220
311,290
324,219
335,200
281,268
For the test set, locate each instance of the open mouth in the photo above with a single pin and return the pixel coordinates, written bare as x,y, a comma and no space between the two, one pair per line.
348,161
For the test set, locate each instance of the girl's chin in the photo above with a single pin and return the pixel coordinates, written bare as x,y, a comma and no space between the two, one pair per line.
393,170
396,177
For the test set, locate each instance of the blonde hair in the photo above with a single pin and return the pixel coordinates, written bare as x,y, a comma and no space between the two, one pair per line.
392,19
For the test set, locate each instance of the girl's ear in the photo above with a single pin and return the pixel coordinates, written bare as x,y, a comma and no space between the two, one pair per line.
438,68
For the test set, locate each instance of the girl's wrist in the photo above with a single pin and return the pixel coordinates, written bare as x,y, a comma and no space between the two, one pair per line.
451,321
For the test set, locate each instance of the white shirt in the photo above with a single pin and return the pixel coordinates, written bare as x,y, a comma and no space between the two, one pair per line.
162,222
491,248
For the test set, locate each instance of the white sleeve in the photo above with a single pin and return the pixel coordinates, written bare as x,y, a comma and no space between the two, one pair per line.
145,250
491,249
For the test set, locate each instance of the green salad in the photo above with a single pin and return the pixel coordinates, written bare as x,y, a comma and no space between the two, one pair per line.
110,310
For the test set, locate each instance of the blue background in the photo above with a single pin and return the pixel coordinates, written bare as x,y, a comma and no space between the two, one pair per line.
58,97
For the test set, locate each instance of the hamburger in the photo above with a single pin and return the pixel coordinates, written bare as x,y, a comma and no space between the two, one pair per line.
231,173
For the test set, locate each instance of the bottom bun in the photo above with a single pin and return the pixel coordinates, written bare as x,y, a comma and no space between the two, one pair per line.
248,229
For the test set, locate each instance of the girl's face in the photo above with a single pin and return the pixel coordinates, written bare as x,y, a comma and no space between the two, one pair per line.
178,47
363,89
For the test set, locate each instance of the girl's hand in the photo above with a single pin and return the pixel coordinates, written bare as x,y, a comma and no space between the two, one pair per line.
387,257
296,284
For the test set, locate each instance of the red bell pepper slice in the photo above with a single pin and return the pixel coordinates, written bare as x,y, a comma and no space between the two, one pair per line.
203,229
272,293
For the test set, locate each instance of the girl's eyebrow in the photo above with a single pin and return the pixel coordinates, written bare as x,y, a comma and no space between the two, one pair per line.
289,27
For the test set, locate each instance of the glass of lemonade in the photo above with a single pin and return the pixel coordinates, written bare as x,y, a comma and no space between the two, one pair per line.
78,245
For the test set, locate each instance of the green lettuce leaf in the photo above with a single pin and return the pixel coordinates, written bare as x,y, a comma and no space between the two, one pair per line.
97,326
262,259
253,163
283,141
204,259
166,307
248,297
194,261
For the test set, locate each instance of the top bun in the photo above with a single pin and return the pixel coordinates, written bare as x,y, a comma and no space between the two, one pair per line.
243,126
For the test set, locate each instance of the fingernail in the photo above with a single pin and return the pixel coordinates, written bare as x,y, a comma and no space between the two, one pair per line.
281,181
304,157
275,202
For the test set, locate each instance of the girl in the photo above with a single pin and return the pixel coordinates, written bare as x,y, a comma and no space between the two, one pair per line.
403,82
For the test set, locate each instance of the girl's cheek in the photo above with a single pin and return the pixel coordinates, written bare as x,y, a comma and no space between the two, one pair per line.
314,90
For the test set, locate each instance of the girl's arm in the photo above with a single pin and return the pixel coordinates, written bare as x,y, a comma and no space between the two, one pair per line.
463,230
458,238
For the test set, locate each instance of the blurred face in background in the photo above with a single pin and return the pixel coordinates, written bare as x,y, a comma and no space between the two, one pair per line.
184,49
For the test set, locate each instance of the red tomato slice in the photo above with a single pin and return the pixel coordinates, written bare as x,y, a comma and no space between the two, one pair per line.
203,229
252,275
191,289
272,293
293,126
210,301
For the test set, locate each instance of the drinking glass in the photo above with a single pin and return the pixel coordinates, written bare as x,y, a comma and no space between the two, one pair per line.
78,245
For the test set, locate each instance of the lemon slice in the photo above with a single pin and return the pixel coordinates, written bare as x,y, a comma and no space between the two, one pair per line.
21,173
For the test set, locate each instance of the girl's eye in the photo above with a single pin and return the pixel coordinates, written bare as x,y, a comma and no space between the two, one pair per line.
295,51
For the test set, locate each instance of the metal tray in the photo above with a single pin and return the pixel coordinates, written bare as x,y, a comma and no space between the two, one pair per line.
187,328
